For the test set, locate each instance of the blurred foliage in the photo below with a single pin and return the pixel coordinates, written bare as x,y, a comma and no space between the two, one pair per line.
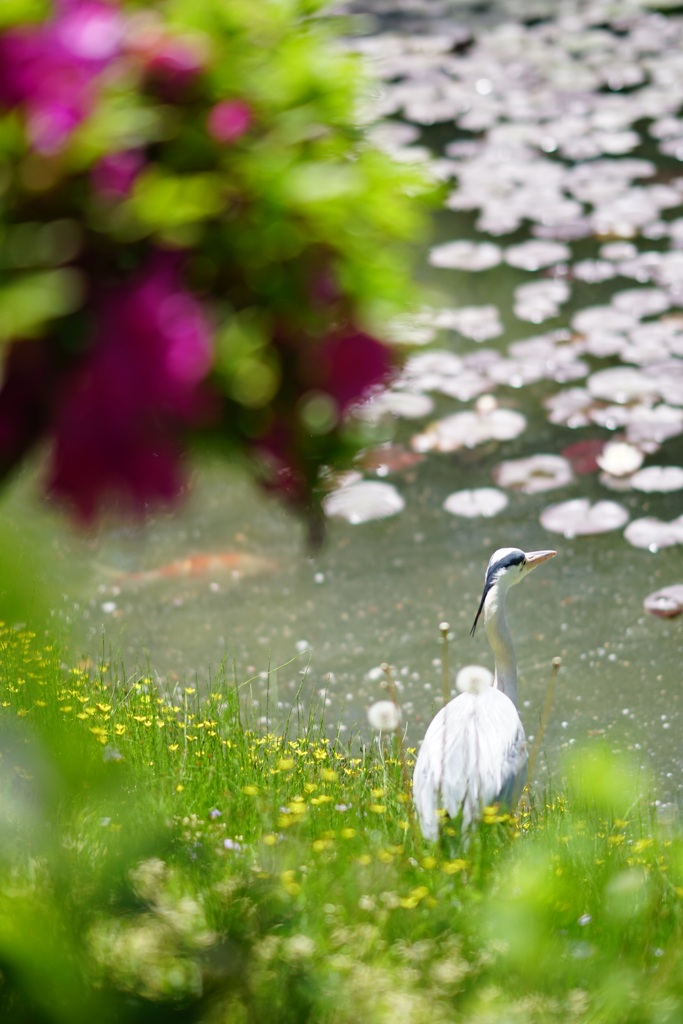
163,859
171,172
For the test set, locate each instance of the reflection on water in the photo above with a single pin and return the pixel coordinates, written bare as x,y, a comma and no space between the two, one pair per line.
319,627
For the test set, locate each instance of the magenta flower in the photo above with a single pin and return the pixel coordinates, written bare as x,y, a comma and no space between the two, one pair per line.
228,121
121,413
114,174
50,69
350,364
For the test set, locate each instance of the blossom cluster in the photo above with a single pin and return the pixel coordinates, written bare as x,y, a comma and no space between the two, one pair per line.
191,246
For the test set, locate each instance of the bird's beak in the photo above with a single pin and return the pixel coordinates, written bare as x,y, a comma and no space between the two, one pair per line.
535,558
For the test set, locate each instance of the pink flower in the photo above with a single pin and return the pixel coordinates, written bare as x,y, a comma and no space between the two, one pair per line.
114,174
122,412
229,120
50,69
349,364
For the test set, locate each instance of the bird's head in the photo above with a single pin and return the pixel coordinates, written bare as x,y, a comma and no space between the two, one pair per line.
506,567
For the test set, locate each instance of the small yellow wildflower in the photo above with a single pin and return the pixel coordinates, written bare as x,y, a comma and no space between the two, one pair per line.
452,867
289,883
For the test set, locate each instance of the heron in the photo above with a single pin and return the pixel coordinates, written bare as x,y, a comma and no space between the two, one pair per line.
474,752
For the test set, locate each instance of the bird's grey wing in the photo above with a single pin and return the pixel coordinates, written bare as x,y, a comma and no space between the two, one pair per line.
473,754
445,765
504,748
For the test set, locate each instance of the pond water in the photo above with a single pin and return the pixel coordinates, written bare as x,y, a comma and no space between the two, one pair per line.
535,130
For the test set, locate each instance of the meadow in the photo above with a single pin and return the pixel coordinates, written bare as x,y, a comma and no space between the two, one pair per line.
165,858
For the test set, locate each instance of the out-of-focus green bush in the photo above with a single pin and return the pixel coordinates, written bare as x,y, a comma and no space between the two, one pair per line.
196,241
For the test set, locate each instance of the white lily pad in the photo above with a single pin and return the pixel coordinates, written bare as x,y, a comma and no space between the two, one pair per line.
666,602
480,501
469,429
536,254
534,474
658,479
621,384
478,323
653,534
593,271
602,318
570,407
578,517
362,502
641,302
464,255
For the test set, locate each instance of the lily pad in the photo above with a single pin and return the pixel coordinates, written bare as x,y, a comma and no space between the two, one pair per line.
666,603
481,501
654,534
405,404
534,474
578,517
362,502
658,479
536,254
621,384
469,429
466,255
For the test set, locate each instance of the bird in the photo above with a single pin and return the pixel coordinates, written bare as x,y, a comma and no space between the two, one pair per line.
474,752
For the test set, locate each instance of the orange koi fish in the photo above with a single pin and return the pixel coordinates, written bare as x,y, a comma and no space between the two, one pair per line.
238,564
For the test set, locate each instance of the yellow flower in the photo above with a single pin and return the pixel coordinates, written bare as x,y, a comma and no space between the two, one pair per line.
173,746
285,764
347,833
452,867
329,775
409,902
377,808
250,790
289,883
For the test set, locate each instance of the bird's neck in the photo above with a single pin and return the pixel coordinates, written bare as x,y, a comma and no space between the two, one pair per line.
501,643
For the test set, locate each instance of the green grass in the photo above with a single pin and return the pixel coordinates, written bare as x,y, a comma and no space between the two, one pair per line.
163,859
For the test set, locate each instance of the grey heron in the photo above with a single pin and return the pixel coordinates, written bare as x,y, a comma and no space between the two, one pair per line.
474,752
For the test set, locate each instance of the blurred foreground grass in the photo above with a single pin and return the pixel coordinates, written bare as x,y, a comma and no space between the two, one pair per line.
161,859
